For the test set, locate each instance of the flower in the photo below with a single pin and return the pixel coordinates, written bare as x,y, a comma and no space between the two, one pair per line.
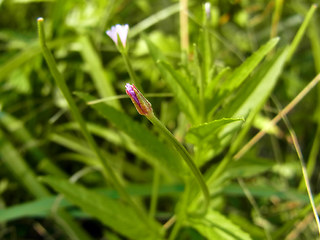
142,105
207,8
121,31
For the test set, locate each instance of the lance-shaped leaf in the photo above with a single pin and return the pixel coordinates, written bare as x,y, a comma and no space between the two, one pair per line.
113,213
216,226
207,131
183,89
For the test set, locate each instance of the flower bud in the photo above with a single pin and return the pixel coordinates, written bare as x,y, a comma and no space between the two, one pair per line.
142,105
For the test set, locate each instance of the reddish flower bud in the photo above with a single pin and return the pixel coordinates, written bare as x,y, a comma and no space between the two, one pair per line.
142,105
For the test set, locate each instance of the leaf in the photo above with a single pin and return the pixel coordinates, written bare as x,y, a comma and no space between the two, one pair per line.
98,74
159,154
243,71
248,167
114,214
42,207
254,93
213,83
216,226
206,131
251,97
181,81
239,75
183,89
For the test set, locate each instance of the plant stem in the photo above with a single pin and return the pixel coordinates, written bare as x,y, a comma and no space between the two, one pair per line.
184,154
132,75
297,39
184,31
154,193
77,115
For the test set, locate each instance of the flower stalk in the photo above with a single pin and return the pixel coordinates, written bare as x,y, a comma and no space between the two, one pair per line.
143,106
119,34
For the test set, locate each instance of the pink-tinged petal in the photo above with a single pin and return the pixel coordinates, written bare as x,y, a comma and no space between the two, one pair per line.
112,33
123,34
142,105
207,8
122,31
130,91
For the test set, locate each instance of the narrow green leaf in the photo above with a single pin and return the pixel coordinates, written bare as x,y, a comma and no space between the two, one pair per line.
210,89
182,81
301,31
114,214
27,55
216,226
42,207
206,131
248,167
252,96
72,143
159,154
183,89
248,100
22,171
243,71
257,89
155,52
95,68
17,129
180,88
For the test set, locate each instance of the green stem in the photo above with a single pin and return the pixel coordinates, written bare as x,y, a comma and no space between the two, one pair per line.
155,191
301,31
184,154
132,75
76,114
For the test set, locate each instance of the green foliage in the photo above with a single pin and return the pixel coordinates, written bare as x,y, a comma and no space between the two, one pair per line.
216,226
114,214
158,154
111,174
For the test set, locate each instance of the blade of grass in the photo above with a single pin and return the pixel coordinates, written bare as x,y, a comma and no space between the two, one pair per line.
276,18
277,118
302,162
184,27
27,55
95,68
21,134
21,170
154,19
41,207
301,31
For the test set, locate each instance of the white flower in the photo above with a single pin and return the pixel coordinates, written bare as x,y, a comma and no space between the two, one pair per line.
122,31
207,8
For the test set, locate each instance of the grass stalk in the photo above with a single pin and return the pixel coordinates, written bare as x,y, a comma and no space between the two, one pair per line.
184,27
303,165
154,193
276,18
301,31
277,118
129,67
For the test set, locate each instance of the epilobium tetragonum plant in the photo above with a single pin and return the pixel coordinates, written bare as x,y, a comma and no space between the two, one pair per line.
205,112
